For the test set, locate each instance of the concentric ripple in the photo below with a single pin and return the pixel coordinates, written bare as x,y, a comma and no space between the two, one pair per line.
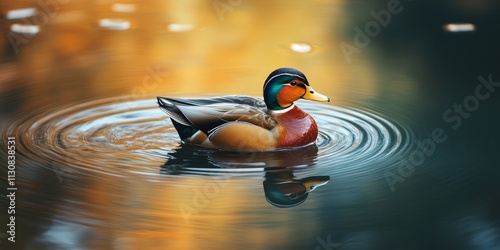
123,138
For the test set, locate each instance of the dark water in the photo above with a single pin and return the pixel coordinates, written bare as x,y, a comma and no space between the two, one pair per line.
407,156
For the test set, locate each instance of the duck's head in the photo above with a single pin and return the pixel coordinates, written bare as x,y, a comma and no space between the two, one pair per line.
286,85
291,192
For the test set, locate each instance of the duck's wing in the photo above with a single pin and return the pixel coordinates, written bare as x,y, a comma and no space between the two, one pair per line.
233,99
211,113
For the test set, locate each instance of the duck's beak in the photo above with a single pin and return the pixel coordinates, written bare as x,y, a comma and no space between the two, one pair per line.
311,183
314,96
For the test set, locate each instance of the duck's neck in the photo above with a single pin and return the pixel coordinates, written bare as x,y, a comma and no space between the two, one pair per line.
283,110
279,175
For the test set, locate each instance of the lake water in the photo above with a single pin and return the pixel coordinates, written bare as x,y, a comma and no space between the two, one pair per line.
407,155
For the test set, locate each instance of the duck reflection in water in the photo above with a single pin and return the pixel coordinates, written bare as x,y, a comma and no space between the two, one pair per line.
283,190
281,187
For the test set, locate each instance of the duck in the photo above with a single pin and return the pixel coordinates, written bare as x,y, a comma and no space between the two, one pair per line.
245,123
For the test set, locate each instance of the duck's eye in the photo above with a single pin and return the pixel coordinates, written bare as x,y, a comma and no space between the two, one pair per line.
292,196
293,83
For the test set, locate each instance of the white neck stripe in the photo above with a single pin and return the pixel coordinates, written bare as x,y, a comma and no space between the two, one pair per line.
283,110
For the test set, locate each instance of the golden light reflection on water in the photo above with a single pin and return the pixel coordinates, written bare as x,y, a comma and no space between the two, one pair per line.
136,214
73,58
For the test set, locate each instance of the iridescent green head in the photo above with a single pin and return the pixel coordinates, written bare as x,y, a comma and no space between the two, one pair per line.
286,85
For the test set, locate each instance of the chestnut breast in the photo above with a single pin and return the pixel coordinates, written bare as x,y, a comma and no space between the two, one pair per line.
297,128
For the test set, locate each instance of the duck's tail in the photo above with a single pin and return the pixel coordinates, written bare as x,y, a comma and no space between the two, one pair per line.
183,126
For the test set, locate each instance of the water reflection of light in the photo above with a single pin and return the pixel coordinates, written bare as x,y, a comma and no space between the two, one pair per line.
479,233
459,27
20,13
25,29
123,7
230,54
176,27
63,234
301,47
114,24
